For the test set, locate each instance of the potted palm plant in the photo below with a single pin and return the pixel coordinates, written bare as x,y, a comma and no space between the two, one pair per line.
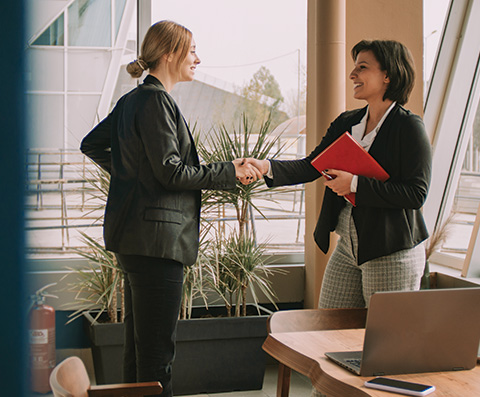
219,354
230,263
232,258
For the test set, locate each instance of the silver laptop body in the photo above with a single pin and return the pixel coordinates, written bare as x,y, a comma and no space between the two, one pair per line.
418,331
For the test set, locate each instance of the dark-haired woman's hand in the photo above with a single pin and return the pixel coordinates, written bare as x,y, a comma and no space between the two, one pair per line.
341,182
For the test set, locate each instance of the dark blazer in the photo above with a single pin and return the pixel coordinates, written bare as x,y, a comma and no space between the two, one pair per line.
387,216
153,206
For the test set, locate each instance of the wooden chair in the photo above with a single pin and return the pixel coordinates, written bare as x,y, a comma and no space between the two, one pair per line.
310,320
70,379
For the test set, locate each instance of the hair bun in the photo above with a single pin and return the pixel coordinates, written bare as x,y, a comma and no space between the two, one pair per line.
143,65
135,68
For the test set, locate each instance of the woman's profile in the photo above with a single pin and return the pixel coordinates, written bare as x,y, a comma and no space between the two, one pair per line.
153,208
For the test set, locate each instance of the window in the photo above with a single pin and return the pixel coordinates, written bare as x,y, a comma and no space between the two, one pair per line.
253,57
433,20
89,23
75,73
451,111
53,35
119,8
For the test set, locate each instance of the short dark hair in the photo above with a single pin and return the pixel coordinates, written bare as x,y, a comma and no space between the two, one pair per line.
397,61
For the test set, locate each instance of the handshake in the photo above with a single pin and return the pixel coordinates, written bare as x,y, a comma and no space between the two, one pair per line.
248,170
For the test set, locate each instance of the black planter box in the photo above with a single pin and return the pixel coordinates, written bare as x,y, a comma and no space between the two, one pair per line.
106,341
220,354
214,354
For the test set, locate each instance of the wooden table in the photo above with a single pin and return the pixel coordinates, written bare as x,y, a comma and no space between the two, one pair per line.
304,353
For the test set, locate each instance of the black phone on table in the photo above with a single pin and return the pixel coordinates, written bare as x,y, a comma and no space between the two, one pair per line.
400,386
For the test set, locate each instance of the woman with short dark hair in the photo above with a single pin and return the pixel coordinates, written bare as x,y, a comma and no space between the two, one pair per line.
380,246
395,59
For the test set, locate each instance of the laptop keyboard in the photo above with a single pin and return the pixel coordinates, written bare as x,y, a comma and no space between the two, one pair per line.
354,362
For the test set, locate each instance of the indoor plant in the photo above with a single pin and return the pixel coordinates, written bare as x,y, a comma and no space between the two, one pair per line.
231,259
224,354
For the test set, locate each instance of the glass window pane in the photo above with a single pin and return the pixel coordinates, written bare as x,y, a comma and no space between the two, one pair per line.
81,110
87,70
119,8
46,128
44,69
89,23
467,196
125,83
53,35
435,12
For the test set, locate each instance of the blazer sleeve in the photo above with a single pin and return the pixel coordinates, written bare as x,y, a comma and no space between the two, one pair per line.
96,145
408,159
294,172
163,131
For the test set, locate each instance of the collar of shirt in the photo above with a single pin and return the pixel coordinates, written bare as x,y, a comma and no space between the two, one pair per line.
366,142
358,130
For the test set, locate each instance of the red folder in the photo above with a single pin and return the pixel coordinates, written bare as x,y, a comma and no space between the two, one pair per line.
346,154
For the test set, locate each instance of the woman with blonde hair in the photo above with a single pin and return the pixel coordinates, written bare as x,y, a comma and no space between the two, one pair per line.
153,208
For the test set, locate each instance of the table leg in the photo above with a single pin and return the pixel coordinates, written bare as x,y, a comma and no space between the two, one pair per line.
283,383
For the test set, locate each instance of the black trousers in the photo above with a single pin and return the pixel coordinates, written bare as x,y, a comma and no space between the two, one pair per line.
153,293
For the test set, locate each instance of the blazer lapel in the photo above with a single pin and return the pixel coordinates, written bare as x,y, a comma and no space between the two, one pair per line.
194,152
356,118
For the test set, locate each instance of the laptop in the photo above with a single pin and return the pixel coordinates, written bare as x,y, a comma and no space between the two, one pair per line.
417,331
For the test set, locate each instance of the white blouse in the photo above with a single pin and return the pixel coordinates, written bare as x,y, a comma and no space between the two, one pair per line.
366,140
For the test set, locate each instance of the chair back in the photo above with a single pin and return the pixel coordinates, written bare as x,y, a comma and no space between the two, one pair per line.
316,320
70,379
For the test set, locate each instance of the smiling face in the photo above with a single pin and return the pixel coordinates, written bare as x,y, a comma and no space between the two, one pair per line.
369,81
189,64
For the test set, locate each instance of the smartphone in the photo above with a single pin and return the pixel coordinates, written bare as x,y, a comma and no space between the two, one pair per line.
400,386
327,176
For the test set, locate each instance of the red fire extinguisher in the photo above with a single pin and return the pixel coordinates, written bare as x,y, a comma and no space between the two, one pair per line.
42,341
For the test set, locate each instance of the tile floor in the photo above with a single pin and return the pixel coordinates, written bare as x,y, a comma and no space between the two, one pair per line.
300,386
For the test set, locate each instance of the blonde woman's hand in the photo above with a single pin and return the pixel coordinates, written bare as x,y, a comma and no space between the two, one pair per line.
245,172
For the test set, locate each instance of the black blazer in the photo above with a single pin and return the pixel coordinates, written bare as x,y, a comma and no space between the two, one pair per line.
153,206
387,216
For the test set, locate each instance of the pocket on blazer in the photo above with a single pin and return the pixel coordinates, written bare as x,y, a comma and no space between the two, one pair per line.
163,215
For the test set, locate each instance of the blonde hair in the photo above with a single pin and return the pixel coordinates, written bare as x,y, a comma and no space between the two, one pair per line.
162,38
